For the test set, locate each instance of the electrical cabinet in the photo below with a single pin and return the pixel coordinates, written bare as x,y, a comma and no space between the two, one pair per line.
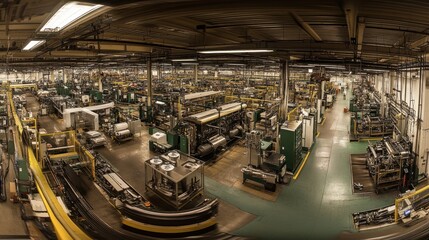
291,144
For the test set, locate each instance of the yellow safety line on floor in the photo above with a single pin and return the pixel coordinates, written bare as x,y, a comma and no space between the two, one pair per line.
370,139
302,166
323,121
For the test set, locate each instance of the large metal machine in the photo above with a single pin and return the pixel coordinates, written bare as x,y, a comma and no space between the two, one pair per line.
390,164
212,130
202,134
265,165
175,178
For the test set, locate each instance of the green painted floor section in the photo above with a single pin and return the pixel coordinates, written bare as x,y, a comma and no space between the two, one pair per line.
319,204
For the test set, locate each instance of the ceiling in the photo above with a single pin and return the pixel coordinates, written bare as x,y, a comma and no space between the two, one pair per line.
367,34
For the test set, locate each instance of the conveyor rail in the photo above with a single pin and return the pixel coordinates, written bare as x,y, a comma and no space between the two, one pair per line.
64,227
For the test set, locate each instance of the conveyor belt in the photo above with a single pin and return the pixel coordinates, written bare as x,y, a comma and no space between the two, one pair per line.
64,227
419,230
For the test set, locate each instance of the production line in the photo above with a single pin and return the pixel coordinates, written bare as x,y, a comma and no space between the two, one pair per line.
224,120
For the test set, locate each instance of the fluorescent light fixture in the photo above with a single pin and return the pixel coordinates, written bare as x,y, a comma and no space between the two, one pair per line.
67,14
235,64
184,60
33,44
310,70
238,51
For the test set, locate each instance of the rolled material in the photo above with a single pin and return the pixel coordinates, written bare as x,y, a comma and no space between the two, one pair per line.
125,132
218,141
210,115
120,126
213,144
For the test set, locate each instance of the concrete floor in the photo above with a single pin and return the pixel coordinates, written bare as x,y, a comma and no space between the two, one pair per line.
318,205
11,224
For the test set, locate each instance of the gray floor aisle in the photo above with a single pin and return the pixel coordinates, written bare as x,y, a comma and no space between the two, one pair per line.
319,204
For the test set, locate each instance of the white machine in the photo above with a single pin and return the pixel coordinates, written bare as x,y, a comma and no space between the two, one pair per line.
308,131
121,132
159,137
95,139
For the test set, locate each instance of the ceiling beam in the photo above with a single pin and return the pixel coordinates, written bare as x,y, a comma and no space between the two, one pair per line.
306,27
422,42
360,33
351,12
191,25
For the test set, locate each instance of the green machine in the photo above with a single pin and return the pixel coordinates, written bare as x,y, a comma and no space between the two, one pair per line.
131,97
97,96
291,144
174,141
63,91
23,178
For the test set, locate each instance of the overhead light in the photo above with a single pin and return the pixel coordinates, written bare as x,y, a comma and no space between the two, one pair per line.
310,70
184,60
67,14
185,63
235,64
33,44
238,51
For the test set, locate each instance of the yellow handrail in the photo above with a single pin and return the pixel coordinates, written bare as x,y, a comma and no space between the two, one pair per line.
293,111
398,200
64,227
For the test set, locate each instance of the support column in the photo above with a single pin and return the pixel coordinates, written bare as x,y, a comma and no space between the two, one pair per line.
149,85
100,83
196,73
51,76
284,84
159,72
422,141
393,80
247,75
383,96
64,76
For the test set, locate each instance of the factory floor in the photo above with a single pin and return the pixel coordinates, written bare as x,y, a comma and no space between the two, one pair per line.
11,224
319,203
316,205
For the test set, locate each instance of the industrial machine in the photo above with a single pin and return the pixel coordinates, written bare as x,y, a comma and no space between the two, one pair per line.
121,132
391,164
4,119
95,139
290,142
174,177
309,128
210,131
265,165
